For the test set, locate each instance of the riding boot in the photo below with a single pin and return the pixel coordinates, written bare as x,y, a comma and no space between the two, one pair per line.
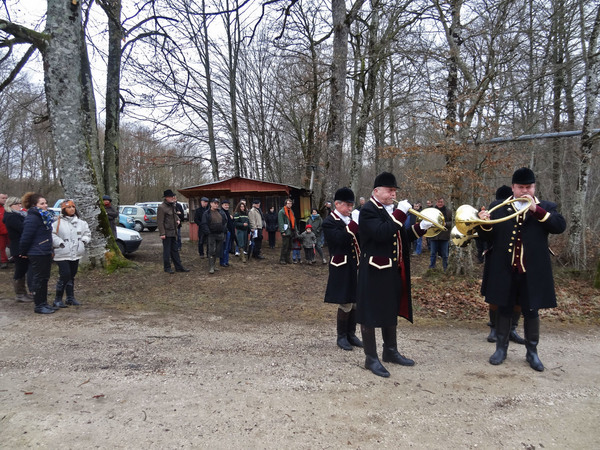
492,324
532,337
20,290
372,362
211,264
352,338
342,330
60,289
513,329
390,348
502,332
70,288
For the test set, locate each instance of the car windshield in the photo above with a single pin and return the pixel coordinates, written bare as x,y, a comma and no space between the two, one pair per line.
150,211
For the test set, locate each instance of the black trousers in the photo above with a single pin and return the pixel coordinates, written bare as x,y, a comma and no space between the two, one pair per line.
40,267
67,270
170,252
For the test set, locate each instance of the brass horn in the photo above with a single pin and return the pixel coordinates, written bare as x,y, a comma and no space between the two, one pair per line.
466,218
432,215
459,239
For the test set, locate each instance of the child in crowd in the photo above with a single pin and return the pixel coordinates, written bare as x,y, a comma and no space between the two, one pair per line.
309,240
296,247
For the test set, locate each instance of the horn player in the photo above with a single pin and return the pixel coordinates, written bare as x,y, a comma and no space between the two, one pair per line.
518,271
383,287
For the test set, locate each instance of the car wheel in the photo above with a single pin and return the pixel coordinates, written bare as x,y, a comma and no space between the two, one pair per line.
139,227
121,247
152,228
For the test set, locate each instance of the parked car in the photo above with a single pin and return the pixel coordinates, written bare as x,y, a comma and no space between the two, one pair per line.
124,220
154,205
128,240
143,216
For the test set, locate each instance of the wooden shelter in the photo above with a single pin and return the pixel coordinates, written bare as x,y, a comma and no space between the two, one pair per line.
237,188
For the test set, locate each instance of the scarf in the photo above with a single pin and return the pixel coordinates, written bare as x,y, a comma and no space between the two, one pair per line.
47,218
290,216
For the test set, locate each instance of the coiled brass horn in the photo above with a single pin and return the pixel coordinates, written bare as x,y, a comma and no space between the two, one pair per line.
459,239
432,215
466,218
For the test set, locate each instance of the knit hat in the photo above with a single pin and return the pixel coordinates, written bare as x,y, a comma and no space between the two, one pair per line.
524,175
106,197
385,179
309,226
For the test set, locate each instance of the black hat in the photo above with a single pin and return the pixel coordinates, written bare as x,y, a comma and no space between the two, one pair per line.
225,201
168,193
524,175
385,179
344,195
215,200
503,192
256,201
106,197
204,199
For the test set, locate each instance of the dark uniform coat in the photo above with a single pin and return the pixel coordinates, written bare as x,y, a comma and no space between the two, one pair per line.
343,262
383,283
521,244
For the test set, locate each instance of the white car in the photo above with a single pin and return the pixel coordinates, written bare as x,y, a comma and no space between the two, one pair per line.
128,240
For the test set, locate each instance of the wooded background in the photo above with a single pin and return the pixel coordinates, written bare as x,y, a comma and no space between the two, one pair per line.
178,93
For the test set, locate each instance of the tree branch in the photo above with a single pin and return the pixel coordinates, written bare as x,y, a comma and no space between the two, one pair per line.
13,74
24,34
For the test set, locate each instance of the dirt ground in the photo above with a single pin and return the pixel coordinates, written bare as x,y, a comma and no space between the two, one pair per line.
246,358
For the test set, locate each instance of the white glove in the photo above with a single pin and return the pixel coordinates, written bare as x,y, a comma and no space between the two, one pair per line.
355,214
404,206
425,224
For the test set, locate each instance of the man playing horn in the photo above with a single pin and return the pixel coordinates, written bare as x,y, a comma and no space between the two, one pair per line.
518,270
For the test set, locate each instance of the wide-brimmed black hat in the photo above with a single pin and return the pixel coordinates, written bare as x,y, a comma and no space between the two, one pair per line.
503,192
168,193
385,179
344,195
524,175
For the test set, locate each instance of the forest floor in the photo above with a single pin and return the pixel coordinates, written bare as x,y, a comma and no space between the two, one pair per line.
246,358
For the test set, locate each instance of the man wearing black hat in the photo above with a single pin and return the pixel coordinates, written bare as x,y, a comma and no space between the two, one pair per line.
167,227
341,233
214,226
383,291
518,270
198,221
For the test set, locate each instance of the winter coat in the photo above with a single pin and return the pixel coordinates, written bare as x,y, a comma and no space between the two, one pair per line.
207,227
317,225
14,225
308,239
343,263
36,239
242,230
257,220
271,219
70,235
533,231
383,291
166,217
285,227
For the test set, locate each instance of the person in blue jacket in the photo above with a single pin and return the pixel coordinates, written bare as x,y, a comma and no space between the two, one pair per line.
36,245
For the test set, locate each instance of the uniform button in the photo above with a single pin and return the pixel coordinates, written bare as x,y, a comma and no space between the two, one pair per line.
510,244
514,232
394,252
394,259
510,250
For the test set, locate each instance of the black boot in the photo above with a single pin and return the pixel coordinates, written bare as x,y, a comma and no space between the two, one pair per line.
532,337
60,289
352,338
492,324
390,348
372,362
342,330
70,288
513,328
502,332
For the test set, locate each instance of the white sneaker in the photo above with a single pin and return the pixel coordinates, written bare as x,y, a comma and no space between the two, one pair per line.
237,253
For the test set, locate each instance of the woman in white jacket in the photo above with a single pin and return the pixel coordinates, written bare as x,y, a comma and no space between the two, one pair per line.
70,234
